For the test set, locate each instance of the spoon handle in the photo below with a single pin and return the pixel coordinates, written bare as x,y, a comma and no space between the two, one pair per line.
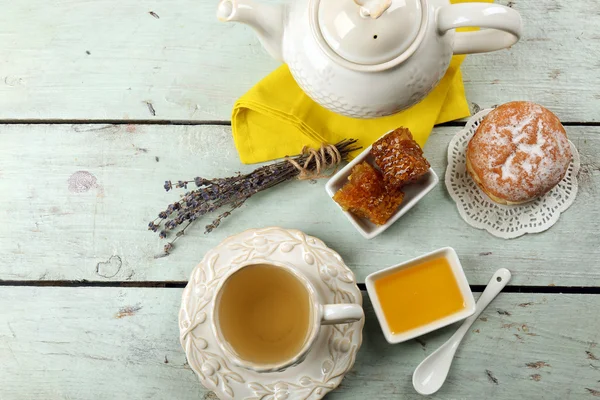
493,288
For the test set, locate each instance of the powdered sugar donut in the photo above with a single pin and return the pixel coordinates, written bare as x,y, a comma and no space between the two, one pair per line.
519,152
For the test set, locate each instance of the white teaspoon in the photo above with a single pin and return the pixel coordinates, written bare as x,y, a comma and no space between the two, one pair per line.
431,374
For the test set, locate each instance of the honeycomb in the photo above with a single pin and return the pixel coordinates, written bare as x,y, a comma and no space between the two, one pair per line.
400,158
366,195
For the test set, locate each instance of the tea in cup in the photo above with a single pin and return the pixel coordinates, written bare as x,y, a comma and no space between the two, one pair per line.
266,316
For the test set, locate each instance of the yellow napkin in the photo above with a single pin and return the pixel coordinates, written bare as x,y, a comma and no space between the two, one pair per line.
276,118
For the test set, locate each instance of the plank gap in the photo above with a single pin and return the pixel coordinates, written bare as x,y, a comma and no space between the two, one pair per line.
451,124
361,286
112,122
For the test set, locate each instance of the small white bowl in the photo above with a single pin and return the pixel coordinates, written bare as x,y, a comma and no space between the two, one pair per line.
412,194
447,253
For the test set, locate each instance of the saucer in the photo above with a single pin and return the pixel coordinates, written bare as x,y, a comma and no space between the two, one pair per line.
334,351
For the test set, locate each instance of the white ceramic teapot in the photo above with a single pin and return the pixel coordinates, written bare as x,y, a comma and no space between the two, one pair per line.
370,58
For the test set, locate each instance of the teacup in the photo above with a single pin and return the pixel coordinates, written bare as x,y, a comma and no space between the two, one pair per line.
267,316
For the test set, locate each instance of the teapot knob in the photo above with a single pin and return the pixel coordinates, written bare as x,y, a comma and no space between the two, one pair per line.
373,8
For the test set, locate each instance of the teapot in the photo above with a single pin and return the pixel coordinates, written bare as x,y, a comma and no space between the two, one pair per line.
371,58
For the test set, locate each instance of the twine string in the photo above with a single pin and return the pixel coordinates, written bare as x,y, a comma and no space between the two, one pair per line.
326,157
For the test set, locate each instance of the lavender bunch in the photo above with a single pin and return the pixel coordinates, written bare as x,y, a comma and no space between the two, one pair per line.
232,192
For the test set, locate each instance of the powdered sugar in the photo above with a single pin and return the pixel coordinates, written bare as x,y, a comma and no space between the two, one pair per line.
507,168
517,124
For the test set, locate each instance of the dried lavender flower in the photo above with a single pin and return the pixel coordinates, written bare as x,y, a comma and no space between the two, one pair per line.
232,192
201,181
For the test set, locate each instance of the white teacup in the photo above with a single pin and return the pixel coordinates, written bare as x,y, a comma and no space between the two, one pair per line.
247,281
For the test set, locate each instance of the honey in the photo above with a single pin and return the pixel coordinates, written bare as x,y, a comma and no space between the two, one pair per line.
416,296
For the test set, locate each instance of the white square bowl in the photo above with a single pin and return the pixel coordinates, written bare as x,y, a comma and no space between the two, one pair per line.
447,253
412,194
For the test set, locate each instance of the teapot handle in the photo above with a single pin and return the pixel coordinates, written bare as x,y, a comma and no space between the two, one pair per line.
502,25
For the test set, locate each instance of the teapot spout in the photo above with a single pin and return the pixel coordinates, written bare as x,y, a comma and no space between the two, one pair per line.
267,20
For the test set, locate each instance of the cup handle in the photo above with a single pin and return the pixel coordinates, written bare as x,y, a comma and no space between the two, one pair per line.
502,24
341,313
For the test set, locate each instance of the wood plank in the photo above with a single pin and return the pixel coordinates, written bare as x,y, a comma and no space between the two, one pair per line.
107,343
108,59
540,67
51,231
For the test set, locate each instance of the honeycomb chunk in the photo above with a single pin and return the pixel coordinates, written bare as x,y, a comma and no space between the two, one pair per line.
400,158
366,195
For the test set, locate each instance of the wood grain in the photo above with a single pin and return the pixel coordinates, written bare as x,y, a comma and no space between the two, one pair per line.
113,59
107,343
76,201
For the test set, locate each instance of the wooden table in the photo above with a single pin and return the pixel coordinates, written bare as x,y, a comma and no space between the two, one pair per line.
126,94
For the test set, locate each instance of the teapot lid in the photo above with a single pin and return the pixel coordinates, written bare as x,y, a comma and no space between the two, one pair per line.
368,35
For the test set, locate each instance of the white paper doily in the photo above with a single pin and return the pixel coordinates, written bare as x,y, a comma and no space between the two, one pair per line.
507,222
